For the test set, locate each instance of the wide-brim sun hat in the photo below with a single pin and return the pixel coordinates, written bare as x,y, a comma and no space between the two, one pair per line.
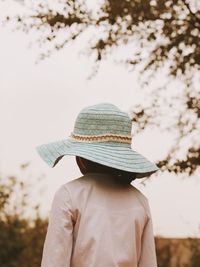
102,134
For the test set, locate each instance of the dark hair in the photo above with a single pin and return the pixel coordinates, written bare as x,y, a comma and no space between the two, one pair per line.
86,166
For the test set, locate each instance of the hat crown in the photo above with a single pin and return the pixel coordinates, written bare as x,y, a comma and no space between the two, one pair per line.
102,119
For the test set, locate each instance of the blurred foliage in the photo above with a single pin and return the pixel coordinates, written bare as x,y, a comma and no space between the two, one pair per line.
163,253
194,246
21,238
178,252
163,34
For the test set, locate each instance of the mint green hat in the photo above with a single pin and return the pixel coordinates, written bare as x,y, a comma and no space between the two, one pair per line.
102,133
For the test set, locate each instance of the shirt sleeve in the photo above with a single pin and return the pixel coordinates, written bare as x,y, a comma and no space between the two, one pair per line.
59,238
148,250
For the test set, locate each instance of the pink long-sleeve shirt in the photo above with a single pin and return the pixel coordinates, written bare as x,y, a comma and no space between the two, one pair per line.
95,222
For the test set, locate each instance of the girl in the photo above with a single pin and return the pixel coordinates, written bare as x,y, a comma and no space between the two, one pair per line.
100,219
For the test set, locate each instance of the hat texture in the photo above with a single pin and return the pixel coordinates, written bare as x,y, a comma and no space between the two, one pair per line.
102,133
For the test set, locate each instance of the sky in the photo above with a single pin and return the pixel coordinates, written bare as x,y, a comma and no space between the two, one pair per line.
39,103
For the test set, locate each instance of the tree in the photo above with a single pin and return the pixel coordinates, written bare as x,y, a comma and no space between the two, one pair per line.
165,34
21,238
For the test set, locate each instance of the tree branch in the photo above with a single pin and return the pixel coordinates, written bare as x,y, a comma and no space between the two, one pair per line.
188,7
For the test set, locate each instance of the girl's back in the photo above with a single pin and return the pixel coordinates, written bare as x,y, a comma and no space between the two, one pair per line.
97,221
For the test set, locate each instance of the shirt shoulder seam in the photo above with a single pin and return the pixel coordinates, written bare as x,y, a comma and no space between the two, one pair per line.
144,201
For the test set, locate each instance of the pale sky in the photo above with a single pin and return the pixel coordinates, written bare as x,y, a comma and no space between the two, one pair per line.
39,104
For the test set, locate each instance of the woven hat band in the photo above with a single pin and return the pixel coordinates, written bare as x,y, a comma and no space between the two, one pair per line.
102,138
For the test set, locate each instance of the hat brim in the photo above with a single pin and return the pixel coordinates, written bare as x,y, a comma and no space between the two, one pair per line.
110,154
